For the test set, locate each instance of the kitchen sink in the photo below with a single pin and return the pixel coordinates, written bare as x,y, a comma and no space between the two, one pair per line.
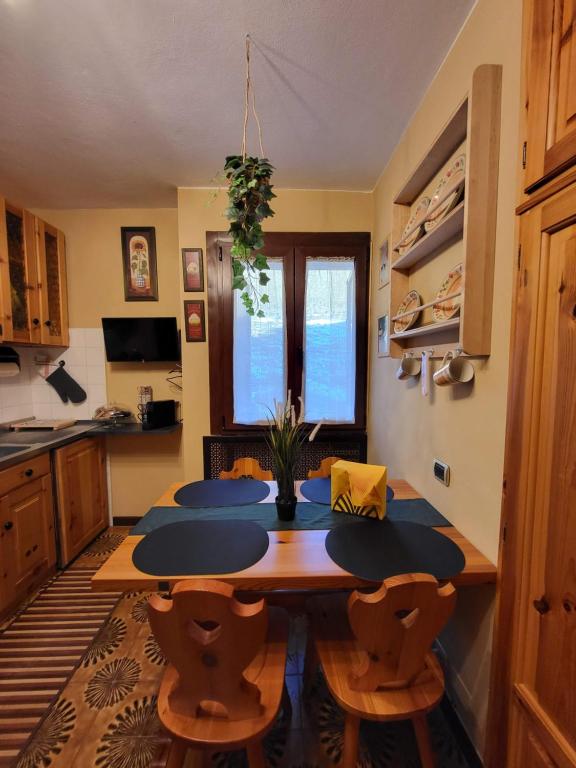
8,450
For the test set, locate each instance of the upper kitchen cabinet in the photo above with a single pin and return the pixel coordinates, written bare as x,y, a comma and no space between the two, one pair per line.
20,304
33,295
549,91
52,284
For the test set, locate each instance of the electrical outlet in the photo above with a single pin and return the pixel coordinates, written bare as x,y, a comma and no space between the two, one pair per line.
442,472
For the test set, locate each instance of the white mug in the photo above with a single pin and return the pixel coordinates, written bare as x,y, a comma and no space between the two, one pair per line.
455,369
409,366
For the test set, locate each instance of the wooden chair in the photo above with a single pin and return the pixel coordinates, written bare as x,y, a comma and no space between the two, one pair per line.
375,651
324,468
223,685
247,467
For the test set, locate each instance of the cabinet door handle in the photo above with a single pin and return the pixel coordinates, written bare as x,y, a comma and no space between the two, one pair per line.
35,547
541,605
28,552
28,472
35,321
48,323
8,525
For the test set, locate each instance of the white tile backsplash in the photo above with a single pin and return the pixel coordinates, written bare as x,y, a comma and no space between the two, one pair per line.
27,394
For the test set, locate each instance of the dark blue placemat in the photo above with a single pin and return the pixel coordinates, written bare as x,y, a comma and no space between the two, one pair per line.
309,516
200,547
379,549
318,489
221,493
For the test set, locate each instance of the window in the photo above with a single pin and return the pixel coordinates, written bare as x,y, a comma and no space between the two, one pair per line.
312,340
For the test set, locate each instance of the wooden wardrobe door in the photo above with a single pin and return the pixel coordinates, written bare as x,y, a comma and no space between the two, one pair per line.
544,652
550,89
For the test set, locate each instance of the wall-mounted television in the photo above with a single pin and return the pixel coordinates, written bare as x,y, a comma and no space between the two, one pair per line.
141,339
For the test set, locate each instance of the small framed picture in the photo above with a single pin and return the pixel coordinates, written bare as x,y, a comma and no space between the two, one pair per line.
194,320
383,337
139,263
384,265
193,270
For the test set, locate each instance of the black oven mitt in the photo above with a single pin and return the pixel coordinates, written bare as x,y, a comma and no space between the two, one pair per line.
67,387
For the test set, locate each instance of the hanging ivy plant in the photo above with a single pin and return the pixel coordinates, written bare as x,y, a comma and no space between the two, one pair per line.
249,195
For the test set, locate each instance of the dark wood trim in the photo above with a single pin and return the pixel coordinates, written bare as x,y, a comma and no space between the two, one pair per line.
126,520
292,248
547,191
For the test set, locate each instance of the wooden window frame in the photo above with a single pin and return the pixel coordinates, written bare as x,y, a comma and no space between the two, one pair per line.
293,248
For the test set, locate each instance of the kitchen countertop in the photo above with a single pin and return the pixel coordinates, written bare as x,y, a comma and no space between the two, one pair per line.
27,444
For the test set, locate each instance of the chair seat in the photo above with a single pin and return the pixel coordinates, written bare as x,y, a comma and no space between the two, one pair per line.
266,670
338,653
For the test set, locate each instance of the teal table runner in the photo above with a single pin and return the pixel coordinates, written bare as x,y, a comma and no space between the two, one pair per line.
309,516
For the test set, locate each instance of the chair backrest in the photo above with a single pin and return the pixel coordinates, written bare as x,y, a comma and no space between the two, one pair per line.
246,467
395,627
210,638
324,468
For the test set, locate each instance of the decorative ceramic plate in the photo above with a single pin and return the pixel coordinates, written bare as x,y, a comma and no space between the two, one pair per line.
453,283
448,193
412,300
413,229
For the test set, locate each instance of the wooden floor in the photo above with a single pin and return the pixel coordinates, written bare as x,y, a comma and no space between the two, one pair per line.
41,647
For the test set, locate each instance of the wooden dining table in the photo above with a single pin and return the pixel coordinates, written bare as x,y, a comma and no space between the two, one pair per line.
295,560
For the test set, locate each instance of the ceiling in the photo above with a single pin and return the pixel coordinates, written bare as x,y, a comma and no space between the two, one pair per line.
111,103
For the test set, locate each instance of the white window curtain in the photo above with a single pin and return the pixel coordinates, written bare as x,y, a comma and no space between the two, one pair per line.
329,384
259,365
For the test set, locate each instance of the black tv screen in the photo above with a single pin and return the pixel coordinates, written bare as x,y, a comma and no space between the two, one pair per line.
141,339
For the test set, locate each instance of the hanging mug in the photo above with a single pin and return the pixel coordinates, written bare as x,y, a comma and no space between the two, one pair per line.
455,369
409,366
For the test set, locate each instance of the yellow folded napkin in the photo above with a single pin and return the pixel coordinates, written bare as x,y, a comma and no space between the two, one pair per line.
359,489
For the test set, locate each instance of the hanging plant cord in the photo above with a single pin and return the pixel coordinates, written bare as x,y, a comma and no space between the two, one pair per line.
249,193
250,90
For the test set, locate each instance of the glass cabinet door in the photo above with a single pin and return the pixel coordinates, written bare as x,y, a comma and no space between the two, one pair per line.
19,276
53,292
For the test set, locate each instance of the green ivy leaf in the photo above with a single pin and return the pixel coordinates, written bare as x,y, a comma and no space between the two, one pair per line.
265,299
237,267
260,262
263,278
238,283
260,313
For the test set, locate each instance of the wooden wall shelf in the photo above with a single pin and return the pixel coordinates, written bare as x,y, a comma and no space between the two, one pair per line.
476,120
447,231
427,330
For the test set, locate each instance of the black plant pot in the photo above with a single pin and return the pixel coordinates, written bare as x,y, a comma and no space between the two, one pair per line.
286,508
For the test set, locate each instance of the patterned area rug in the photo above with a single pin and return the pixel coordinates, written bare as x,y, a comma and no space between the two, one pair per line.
105,716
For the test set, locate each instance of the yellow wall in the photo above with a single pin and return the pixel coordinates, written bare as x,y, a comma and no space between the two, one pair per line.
406,431
295,211
140,467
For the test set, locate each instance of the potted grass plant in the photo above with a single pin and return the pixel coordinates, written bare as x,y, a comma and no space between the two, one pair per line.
285,437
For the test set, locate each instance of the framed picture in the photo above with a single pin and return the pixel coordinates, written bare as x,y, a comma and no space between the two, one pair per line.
139,261
384,265
383,337
194,320
193,269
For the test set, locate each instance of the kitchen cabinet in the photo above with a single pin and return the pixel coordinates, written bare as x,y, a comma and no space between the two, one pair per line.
549,91
33,292
27,537
19,276
51,251
82,495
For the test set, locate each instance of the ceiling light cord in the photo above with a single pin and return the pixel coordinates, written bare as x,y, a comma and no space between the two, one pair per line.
250,91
